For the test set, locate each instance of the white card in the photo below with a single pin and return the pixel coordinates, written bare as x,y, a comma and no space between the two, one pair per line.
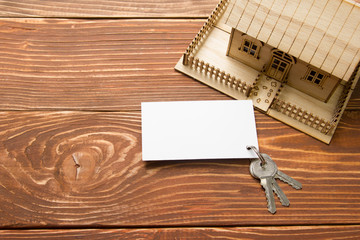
198,130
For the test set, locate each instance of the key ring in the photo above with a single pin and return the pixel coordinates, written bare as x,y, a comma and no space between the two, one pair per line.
262,159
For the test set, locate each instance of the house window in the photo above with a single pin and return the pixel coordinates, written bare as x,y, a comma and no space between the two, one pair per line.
278,68
283,55
250,48
279,65
315,77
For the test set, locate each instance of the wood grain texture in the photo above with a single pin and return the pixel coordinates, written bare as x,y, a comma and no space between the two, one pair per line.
354,103
106,8
280,233
96,64
83,169
107,185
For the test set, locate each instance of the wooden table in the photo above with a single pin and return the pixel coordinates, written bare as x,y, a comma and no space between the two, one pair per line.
73,75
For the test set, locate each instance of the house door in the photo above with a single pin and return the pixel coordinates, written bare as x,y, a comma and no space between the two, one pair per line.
279,65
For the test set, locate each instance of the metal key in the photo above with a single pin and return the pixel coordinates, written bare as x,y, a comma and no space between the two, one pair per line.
287,179
283,199
264,167
266,173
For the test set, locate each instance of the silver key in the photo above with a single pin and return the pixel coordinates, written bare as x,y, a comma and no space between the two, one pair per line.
287,179
265,169
266,175
282,197
283,177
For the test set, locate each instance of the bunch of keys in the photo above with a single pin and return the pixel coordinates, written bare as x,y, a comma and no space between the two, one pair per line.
265,169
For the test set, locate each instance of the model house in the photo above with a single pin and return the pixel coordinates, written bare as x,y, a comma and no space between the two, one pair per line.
297,60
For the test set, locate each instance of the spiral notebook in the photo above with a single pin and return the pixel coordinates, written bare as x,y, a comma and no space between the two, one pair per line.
191,130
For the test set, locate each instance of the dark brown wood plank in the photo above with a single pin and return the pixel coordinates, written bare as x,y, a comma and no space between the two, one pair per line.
40,185
280,233
106,8
354,103
96,64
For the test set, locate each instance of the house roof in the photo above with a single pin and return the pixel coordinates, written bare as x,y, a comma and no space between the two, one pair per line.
324,33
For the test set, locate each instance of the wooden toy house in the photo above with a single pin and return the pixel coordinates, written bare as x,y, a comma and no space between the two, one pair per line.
297,60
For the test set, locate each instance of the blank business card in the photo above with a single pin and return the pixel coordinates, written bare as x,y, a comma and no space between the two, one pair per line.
198,130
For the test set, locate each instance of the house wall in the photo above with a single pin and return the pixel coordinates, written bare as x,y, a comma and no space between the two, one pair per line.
296,77
258,63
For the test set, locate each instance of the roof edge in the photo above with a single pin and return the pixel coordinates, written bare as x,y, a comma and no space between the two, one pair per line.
354,2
